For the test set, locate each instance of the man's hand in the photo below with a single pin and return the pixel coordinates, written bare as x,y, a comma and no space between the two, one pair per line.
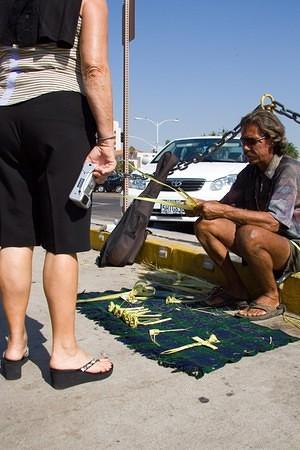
213,210
207,209
103,155
197,211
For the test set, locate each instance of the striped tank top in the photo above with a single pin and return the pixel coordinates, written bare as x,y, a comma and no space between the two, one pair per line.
26,73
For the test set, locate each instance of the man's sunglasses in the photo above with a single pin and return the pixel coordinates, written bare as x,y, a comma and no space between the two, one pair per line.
251,141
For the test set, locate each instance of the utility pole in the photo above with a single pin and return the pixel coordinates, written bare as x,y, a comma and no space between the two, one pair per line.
128,34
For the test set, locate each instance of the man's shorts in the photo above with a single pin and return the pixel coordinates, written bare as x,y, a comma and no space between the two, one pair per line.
293,263
43,145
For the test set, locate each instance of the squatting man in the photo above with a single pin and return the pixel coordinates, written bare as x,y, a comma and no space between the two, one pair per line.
258,219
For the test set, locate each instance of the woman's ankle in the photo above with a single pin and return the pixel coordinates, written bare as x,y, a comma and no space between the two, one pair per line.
70,359
16,346
64,349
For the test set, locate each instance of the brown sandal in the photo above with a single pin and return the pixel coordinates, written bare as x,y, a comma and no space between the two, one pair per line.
270,311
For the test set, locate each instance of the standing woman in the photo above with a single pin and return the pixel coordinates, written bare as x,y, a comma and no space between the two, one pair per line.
55,100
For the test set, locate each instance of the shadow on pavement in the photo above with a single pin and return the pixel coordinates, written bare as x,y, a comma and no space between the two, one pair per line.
37,352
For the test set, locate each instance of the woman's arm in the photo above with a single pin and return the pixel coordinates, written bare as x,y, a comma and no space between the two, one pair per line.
97,81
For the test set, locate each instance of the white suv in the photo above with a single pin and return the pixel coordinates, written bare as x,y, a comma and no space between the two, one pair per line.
209,179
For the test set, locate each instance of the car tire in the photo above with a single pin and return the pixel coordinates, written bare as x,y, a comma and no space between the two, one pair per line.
100,188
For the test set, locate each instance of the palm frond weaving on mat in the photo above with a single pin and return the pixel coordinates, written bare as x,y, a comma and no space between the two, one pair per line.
163,321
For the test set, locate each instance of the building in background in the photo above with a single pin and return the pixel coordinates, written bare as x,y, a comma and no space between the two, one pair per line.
117,133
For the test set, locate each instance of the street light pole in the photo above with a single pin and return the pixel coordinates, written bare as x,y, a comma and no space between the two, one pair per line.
157,125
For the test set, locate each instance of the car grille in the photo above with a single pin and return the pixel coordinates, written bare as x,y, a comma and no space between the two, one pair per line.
186,184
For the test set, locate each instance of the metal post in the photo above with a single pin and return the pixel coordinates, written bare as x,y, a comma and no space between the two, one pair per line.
128,34
126,20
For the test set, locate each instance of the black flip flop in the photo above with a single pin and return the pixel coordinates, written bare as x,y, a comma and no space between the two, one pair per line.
270,312
12,370
62,379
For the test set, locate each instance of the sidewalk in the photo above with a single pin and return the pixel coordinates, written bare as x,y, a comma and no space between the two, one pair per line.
252,404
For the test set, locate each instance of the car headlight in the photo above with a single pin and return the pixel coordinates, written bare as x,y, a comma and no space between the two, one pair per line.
137,182
224,182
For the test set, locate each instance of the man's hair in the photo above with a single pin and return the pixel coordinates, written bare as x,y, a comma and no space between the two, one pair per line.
270,127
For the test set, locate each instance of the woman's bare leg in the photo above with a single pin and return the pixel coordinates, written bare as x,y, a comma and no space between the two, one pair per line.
15,284
60,286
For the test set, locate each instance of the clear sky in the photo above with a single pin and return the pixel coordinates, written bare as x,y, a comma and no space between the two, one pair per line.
206,62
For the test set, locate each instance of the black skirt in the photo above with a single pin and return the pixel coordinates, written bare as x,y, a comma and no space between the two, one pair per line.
43,145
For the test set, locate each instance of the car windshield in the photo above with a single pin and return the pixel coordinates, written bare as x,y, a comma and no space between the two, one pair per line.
186,150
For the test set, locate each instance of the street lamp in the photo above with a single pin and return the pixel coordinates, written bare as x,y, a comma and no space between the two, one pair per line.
157,125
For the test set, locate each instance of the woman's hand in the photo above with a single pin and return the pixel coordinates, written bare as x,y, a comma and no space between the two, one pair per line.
103,155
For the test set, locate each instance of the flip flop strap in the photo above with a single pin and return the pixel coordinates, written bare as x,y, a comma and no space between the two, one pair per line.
89,364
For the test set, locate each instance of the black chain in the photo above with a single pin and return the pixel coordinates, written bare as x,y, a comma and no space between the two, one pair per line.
273,106
182,165
281,109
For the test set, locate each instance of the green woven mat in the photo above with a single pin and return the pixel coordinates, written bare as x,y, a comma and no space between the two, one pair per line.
238,337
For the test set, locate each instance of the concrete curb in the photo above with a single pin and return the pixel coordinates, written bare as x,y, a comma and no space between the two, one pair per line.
192,260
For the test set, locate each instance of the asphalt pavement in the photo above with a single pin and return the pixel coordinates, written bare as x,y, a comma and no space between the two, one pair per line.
251,404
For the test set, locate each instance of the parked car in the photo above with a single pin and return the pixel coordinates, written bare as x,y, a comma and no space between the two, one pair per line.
209,179
113,183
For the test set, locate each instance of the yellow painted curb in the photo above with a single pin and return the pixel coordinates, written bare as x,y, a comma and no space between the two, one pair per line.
192,260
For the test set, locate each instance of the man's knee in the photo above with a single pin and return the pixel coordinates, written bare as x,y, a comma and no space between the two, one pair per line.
248,238
202,227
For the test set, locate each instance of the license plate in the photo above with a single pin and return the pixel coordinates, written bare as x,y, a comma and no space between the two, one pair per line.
169,210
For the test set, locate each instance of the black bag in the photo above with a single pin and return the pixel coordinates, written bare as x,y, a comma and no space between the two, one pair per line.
127,238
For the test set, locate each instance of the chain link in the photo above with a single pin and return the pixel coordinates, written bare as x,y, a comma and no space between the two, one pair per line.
281,109
274,106
182,165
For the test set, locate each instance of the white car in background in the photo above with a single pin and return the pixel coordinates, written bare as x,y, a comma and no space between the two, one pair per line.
209,179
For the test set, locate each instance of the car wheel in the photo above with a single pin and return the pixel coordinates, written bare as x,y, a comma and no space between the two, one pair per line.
100,188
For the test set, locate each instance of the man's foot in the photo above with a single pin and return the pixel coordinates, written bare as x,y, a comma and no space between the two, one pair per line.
264,307
219,298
